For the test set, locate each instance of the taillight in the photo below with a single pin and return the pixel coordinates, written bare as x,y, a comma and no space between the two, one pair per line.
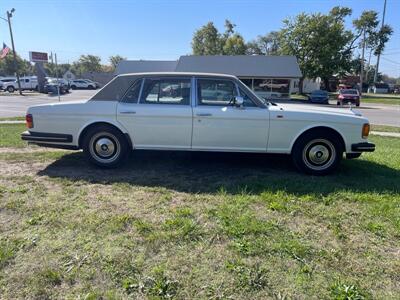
365,131
29,121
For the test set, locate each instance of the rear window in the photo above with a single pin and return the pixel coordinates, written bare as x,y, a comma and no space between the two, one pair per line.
115,89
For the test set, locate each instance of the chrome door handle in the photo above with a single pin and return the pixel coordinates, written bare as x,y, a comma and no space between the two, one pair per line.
203,114
128,112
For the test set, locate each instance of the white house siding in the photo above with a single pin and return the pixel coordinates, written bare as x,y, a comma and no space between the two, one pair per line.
309,85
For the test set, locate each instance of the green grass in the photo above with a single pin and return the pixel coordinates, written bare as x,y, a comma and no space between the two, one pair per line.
12,119
384,128
10,135
188,226
381,98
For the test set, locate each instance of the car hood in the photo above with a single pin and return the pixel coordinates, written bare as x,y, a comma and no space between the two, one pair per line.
307,108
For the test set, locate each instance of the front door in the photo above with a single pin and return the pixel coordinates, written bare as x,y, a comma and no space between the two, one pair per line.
219,125
162,117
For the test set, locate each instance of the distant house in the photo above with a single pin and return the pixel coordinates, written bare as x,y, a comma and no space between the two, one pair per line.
69,75
309,85
379,88
268,76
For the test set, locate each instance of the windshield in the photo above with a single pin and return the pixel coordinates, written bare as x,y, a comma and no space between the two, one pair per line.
262,100
349,92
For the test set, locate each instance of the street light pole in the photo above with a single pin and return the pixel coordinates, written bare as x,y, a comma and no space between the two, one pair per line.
9,15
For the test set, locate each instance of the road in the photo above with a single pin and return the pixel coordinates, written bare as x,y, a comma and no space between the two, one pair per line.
15,105
380,114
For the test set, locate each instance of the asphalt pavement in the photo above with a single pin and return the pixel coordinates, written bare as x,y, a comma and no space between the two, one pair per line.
14,105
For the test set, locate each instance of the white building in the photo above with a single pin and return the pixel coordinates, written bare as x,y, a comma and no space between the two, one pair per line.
69,75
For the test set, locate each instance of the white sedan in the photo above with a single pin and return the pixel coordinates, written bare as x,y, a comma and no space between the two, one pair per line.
196,112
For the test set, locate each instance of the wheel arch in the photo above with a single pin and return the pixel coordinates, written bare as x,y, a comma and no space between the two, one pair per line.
329,129
85,129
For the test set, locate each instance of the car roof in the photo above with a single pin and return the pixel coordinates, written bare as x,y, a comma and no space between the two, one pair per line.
179,74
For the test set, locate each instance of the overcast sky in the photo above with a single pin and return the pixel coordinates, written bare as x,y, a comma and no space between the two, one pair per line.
161,29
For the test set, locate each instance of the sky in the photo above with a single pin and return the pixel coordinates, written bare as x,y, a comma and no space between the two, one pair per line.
156,29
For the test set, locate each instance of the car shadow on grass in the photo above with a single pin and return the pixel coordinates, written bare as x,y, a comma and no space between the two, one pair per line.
234,173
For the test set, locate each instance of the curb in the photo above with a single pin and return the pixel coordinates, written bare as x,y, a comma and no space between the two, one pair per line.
390,134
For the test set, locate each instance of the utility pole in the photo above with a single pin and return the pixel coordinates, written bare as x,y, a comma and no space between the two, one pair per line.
58,82
379,55
362,62
9,15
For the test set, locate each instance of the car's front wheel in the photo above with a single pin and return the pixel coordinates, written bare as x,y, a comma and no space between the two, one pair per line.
10,89
317,152
105,146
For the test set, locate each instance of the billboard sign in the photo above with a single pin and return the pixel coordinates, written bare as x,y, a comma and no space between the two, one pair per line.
38,56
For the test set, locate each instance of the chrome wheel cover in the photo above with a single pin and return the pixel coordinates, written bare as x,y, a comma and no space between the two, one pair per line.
319,154
104,147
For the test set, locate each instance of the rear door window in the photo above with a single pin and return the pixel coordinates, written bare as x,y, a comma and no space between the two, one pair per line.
166,91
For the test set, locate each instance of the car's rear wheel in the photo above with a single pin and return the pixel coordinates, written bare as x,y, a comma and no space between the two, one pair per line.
105,146
317,152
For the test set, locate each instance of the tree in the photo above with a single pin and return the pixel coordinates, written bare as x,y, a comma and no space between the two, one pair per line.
7,67
265,44
115,60
207,40
234,45
52,71
87,63
321,43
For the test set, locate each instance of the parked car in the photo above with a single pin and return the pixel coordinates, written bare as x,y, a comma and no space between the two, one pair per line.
27,83
348,96
93,83
4,80
53,84
82,84
319,96
173,111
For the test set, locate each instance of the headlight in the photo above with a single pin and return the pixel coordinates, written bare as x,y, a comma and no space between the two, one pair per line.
365,131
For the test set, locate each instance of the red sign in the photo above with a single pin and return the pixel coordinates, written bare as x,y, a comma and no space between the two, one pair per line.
38,56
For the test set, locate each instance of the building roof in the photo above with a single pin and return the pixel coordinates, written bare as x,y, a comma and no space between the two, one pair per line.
238,65
242,65
140,66
178,74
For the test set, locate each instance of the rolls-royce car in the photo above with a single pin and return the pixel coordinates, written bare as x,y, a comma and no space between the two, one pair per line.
196,112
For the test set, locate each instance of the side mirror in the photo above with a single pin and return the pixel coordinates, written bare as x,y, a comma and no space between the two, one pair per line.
238,101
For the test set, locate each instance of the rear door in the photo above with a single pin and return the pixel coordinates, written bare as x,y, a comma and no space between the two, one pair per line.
157,113
219,125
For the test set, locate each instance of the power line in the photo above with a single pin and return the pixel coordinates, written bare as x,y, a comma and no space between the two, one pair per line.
391,61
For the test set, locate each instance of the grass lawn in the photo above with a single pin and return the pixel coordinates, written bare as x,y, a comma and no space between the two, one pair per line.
12,119
210,226
10,135
384,128
381,98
